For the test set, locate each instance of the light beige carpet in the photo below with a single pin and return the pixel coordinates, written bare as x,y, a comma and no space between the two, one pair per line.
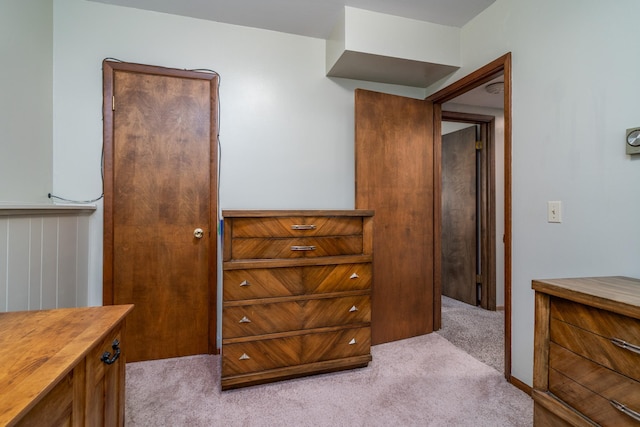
421,381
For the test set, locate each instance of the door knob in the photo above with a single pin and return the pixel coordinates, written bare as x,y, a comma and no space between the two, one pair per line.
198,233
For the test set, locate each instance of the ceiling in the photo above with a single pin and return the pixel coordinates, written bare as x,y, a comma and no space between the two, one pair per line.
317,18
313,18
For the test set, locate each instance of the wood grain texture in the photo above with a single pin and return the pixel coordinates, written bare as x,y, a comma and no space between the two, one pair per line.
162,151
592,405
595,347
294,281
395,177
554,412
604,382
42,349
585,369
294,315
459,217
613,293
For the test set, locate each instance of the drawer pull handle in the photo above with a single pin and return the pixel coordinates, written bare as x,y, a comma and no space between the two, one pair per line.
354,276
244,356
623,344
353,341
106,356
303,248
622,408
245,283
352,309
303,227
244,319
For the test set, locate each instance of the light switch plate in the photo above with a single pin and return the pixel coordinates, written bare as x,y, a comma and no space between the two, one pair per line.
554,211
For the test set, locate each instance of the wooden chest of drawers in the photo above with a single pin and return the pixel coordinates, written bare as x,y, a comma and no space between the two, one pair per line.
296,294
63,367
587,352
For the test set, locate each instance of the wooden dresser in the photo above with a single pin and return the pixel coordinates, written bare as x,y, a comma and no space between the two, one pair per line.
587,352
296,294
63,367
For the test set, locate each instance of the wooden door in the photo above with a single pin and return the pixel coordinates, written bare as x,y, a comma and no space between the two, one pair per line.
160,186
394,154
459,218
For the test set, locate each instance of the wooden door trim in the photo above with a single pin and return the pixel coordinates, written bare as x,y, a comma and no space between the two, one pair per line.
109,67
501,65
487,215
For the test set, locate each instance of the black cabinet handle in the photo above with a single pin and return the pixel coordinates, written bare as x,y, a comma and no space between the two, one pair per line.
106,356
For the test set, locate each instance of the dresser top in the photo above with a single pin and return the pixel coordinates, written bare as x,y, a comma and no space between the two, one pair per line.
38,348
227,213
613,293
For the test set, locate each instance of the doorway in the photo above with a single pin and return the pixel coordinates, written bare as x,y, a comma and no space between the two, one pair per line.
468,209
500,66
160,209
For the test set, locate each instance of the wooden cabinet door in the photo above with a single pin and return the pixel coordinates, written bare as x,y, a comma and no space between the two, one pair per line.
160,186
394,152
105,382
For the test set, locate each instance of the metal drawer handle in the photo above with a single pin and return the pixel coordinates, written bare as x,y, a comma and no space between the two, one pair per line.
245,283
244,319
303,227
352,309
353,341
623,344
622,408
354,276
106,356
244,356
303,248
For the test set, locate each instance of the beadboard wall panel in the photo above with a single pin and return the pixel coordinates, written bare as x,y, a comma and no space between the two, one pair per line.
43,261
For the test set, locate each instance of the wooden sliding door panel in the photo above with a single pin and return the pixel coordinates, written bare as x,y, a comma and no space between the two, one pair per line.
394,176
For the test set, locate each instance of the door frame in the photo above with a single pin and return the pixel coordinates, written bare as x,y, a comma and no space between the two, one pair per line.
501,65
487,241
109,68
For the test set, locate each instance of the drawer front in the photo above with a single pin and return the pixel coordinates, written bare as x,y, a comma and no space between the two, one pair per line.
337,278
600,322
336,345
295,226
336,311
587,402
260,319
596,348
297,247
255,356
262,283
604,382
291,281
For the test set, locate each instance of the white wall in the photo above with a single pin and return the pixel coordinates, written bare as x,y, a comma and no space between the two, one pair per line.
26,48
286,129
575,91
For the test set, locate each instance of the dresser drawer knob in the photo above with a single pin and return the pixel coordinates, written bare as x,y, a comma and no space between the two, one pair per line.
353,341
244,356
622,408
303,248
245,283
244,319
303,227
352,309
354,276
623,344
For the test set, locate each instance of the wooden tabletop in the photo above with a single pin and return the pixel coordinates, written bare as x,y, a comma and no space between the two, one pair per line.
614,293
38,348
